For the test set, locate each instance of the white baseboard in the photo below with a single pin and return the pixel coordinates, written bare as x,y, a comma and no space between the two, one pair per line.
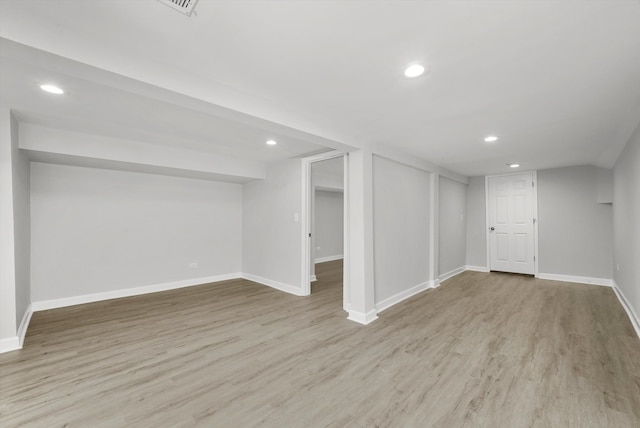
127,292
403,295
451,274
633,317
24,324
9,344
577,279
273,284
16,342
313,278
363,318
476,268
329,258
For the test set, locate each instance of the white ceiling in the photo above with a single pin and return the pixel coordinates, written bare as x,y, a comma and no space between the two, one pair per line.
94,105
558,81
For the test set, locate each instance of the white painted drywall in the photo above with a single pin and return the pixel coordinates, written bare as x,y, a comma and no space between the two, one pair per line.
21,223
452,236
329,174
359,260
99,230
476,223
574,231
626,221
329,224
270,231
605,186
401,227
8,326
76,148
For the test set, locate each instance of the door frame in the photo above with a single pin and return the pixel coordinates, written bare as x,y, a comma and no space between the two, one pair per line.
306,221
534,174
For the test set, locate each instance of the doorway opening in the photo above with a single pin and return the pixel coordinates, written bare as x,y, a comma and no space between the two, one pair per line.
325,217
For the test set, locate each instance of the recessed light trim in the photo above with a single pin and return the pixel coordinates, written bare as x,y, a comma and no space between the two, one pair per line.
52,89
490,138
271,142
414,70
513,165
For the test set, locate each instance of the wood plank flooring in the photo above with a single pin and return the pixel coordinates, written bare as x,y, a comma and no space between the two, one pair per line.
483,350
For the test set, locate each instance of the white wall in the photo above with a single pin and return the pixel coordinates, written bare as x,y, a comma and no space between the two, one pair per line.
401,227
99,230
270,232
22,224
626,221
452,236
81,149
329,224
476,223
574,231
329,174
605,186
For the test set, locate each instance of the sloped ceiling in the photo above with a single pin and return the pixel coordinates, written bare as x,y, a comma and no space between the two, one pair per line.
557,81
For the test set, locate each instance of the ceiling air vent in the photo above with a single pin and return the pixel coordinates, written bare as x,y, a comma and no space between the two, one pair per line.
184,6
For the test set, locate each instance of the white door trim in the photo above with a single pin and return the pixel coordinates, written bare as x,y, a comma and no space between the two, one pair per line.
535,216
306,221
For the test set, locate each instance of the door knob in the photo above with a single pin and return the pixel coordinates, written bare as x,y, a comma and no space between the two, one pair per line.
492,228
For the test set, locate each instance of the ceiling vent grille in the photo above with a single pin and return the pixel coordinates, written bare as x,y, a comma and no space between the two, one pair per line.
184,6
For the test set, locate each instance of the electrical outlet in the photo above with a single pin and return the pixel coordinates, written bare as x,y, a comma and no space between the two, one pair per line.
317,248
617,266
193,265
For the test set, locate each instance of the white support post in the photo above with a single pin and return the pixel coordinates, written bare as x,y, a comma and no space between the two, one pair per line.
361,265
8,325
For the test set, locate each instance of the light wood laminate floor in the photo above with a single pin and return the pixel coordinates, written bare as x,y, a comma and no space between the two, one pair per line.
483,350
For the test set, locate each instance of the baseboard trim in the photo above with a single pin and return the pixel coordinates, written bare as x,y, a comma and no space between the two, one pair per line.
44,305
476,268
9,344
313,278
287,288
633,317
24,324
362,318
576,279
451,274
403,295
329,258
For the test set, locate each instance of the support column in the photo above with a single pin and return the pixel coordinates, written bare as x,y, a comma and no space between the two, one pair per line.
8,327
361,307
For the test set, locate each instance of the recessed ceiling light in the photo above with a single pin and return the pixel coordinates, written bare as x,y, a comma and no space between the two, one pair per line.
513,165
52,89
491,138
271,142
414,70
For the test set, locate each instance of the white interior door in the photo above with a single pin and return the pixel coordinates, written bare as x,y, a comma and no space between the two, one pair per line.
511,223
